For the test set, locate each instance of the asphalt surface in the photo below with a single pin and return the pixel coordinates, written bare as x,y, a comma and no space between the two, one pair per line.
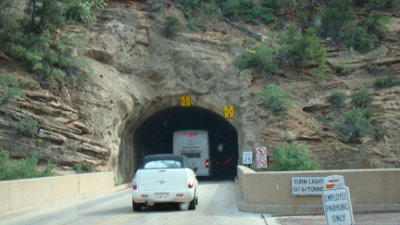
217,206
376,218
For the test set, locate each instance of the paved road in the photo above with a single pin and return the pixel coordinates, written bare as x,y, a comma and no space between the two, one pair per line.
381,218
217,205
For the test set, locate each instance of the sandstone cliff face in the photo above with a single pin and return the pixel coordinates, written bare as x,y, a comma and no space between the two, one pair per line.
137,72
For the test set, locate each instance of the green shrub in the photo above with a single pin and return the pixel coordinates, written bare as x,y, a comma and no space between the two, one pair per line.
371,110
288,137
10,88
240,8
34,41
358,38
370,5
386,82
248,11
172,25
279,25
261,57
354,125
305,12
266,15
292,157
332,18
375,69
20,169
98,4
276,98
82,167
362,98
27,126
79,11
376,23
379,132
337,98
303,50
197,13
278,5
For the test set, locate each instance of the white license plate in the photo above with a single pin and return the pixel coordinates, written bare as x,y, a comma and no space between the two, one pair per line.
162,196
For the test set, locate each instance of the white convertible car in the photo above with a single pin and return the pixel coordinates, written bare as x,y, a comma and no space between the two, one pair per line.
164,178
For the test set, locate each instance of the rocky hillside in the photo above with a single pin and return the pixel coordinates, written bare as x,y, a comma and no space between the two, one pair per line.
137,72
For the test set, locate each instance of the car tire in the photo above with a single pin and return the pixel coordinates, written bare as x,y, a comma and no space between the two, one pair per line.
192,204
137,207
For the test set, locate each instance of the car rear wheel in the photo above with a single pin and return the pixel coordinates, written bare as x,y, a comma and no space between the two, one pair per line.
137,207
192,204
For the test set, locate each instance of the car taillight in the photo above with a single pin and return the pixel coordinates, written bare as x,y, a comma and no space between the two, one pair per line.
207,163
190,184
134,186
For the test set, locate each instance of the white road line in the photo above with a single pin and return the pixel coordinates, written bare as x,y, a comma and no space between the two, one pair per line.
271,221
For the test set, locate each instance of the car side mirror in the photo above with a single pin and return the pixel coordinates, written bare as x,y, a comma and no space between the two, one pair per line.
195,169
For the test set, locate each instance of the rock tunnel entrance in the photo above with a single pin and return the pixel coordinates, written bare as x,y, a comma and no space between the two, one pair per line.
155,134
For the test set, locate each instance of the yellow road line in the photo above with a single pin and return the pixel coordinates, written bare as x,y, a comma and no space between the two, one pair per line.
108,220
124,219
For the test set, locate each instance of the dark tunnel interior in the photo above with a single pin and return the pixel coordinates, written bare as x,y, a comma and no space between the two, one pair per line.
155,134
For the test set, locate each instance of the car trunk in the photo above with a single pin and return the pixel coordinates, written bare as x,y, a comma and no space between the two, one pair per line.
162,179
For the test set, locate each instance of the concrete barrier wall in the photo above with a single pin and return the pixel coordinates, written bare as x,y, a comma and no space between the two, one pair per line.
17,195
270,192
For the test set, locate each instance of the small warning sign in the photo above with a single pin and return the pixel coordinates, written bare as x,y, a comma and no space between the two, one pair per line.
185,101
261,154
228,111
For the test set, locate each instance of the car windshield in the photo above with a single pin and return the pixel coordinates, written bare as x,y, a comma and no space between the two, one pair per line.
163,164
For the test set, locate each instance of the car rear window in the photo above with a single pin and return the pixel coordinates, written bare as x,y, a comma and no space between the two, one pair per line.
162,164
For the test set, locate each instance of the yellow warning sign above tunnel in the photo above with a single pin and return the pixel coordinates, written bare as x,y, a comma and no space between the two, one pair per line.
228,111
185,101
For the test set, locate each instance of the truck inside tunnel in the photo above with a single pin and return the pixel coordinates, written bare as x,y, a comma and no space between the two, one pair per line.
155,136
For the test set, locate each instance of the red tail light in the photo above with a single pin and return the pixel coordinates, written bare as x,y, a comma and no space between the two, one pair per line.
134,186
190,184
207,163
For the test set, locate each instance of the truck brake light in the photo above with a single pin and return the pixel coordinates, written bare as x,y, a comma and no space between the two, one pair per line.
207,163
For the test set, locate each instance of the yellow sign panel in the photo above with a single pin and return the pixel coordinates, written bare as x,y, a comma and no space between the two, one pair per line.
228,111
185,101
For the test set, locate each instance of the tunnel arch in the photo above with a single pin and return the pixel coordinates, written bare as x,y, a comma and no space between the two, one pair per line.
154,135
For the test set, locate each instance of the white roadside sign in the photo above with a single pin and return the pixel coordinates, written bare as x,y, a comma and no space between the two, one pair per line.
247,157
307,185
337,206
261,157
